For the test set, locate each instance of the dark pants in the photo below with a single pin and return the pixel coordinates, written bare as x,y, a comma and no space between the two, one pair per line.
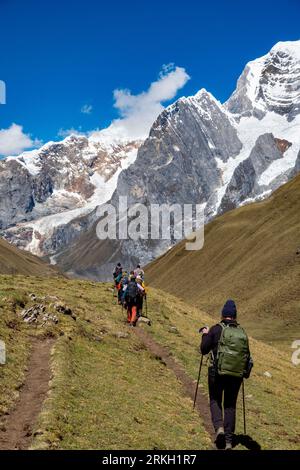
228,388
140,301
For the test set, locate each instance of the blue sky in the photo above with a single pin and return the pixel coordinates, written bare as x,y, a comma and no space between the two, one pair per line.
59,58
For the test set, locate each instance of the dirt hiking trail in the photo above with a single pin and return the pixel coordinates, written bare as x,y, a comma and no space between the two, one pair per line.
189,385
16,432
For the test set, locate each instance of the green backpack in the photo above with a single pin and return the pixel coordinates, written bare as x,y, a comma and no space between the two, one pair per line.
233,351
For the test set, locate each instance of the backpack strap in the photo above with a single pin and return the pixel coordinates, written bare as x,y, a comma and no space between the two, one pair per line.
212,361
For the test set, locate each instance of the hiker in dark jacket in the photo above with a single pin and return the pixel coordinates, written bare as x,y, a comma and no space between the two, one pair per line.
131,294
117,273
221,385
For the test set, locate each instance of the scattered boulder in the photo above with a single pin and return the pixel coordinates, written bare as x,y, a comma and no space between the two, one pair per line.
64,309
144,320
98,339
52,297
38,313
48,317
42,313
173,329
268,374
121,334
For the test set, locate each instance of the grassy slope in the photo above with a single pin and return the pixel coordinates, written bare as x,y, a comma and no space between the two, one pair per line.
15,261
109,392
272,404
106,392
250,255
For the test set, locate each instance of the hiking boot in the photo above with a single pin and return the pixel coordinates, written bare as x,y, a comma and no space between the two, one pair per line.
228,446
220,438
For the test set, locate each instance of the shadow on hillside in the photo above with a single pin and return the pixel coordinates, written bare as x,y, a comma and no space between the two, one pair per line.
246,441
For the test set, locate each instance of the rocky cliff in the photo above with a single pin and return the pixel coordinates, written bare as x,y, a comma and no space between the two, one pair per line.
198,151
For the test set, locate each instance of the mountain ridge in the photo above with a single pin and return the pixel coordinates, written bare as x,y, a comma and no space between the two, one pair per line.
251,254
19,262
196,151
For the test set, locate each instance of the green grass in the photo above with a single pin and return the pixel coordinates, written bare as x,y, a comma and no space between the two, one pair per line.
17,342
107,392
249,255
273,407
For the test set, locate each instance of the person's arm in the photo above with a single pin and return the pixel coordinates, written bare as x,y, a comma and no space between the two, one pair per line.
208,340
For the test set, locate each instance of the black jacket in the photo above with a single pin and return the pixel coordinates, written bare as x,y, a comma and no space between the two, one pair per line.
210,340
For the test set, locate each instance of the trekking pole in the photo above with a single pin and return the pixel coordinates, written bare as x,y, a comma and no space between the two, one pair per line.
196,392
244,411
146,306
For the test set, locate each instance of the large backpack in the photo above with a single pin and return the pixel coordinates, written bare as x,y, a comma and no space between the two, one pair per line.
124,281
233,352
131,291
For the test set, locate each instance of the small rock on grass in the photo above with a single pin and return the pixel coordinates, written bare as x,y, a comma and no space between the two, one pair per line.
121,334
98,339
268,374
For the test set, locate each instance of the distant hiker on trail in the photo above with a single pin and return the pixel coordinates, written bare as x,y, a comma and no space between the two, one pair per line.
117,274
131,299
141,295
138,272
123,286
230,362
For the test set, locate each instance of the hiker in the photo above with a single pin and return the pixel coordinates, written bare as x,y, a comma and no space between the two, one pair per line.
230,360
131,299
138,272
117,273
123,287
141,295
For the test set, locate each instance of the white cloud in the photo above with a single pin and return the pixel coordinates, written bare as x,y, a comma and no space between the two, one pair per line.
138,112
87,109
14,141
67,132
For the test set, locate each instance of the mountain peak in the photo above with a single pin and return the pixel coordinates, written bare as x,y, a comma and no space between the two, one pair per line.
269,83
291,48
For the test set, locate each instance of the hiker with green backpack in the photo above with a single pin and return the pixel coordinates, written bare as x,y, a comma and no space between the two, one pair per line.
230,362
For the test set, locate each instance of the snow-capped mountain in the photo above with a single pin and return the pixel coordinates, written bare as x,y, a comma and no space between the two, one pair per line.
270,83
199,151
43,189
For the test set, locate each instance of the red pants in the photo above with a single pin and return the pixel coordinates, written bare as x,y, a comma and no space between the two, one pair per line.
131,314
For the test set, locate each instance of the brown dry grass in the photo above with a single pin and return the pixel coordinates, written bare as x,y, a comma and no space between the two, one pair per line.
15,261
250,255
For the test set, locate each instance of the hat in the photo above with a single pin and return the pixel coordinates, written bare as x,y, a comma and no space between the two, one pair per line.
229,309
